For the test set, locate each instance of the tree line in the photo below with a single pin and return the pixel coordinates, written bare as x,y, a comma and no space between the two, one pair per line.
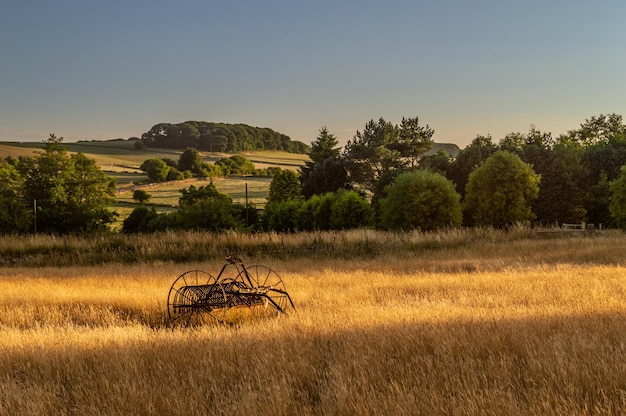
218,137
383,177
528,177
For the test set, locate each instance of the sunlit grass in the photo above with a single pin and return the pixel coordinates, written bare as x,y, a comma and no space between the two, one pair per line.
522,327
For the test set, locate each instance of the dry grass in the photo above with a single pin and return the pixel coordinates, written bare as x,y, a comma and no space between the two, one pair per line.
516,328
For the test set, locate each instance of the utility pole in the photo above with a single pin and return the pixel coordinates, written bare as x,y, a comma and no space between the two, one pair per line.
35,213
247,223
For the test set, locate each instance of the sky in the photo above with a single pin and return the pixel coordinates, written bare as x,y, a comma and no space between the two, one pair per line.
96,70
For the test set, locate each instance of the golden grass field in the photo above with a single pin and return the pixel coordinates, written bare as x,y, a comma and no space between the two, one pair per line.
527,327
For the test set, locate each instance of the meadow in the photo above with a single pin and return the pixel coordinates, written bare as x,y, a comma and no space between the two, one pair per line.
455,323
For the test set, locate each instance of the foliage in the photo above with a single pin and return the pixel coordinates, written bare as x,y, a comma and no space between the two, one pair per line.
141,196
284,187
374,157
561,196
156,169
421,200
325,171
413,141
327,176
202,208
339,210
349,210
205,208
597,202
235,165
219,137
470,158
617,204
324,146
439,162
599,129
282,216
139,220
603,142
14,213
72,194
190,160
499,193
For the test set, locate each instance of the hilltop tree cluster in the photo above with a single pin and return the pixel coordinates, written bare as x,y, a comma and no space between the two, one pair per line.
218,137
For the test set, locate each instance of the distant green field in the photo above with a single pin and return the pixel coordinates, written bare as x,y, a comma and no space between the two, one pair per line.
164,197
113,155
167,194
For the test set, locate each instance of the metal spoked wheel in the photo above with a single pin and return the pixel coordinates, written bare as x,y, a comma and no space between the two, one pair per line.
270,288
195,298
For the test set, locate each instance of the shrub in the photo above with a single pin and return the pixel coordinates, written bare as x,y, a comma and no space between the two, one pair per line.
420,200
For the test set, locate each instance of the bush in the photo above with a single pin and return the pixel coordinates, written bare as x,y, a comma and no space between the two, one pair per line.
138,220
499,193
350,210
331,211
420,200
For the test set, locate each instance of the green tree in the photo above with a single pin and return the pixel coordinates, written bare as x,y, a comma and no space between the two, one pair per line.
141,220
190,160
325,171
561,196
205,208
350,210
421,200
339,210
282,216
382,151
156,169
500,192
141,196
324,146
602,162
72,193
236,165
413,141
315,213
617,205
513,142
599,129
468,159
14,212
372,156
598,200
439,162
285,186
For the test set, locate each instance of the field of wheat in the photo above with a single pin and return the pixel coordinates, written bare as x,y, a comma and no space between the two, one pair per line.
493,328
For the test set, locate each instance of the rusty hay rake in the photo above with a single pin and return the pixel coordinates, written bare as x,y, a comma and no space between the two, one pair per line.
238,292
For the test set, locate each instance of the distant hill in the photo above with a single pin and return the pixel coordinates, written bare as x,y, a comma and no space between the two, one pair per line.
219,137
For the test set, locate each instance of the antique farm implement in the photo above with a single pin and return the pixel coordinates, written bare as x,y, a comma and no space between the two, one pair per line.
237,292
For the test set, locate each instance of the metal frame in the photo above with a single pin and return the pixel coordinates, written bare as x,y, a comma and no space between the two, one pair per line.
196,297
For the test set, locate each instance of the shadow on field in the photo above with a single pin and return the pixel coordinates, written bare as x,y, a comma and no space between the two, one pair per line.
540,365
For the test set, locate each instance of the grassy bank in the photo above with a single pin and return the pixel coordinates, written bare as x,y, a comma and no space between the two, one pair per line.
469,248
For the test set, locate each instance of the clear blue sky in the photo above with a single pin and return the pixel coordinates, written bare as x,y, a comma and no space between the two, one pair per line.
106,69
